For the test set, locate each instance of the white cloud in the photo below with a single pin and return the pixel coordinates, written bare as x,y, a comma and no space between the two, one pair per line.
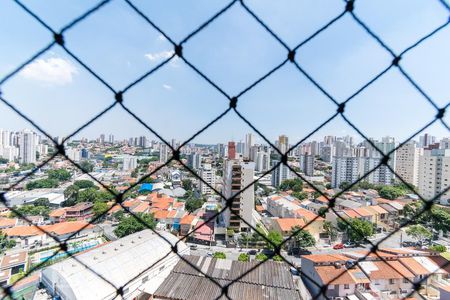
167,87
159,55
161,37
52,70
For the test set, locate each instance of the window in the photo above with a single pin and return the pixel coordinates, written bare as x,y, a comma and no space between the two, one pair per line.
391,281
405,280
144,279
161,268
346,286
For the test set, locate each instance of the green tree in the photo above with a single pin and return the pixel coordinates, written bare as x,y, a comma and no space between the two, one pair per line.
295,185
42,184
357,230
131,224
42,202
438,248
261,257
60,174
193,204
219,255
419,232
5,243
70,195
391,192
300,195
87,166
187,184
87,195
344,185
277,258
84,184
276,239
302,238
330,230
244,257
31,210
322,211
99,208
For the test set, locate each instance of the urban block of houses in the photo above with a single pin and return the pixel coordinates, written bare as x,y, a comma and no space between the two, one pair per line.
40,235
386,274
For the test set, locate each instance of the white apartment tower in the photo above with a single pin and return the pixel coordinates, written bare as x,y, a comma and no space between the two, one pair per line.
237,176
27,147
208,174
434,174
163,153
345,169
407,163
280,174
129,163
249,143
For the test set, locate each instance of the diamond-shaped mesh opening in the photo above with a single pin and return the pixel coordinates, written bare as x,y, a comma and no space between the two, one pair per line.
174,154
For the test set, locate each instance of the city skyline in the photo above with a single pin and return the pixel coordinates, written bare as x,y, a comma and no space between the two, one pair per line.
175,96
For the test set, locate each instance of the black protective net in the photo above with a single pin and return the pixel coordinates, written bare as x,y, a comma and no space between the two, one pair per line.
119,97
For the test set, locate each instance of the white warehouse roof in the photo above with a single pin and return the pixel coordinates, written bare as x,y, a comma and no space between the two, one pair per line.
118,262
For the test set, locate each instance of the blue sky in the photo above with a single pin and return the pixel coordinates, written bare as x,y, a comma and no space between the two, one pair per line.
234,51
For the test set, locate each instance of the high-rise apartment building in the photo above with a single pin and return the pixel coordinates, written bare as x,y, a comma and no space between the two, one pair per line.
27,147
163,153
208,174
237,176
129,163
307,164
262,160
407,164
283,143
345,169
434,174
426,140
249,143
111,138
280,174
231,150
194,161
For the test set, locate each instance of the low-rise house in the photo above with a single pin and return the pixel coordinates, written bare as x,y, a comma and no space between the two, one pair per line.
8,222
57,215
365,214
80,211
380,215
187,224
32,235
15,262
334,272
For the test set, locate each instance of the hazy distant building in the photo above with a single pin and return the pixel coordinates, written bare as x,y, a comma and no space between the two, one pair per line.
194,161
307,164
426,140
283,143
231,150
327,153
27,147
163,153
111,138
129,163
280,174
249,143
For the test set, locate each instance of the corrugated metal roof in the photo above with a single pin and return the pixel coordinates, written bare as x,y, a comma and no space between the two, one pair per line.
271,280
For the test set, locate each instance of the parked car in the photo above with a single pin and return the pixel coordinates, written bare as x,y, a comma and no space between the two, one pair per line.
193,247
209,254
349,245
252,252
338,246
